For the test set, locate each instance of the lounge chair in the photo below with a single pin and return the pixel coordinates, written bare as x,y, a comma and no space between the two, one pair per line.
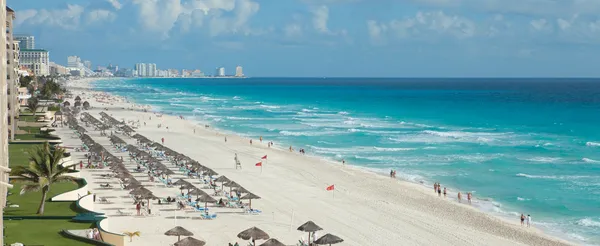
121,213
209,217
253,211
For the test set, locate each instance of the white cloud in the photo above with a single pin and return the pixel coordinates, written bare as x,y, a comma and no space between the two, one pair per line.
67,18
100,15
292,30
115,3
376,31
541,25
224,16
320,19
425,25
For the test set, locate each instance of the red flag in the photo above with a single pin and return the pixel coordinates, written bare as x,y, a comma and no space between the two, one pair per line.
331,187
259,164
264,157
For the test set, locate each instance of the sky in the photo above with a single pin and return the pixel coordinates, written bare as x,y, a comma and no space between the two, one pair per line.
317,38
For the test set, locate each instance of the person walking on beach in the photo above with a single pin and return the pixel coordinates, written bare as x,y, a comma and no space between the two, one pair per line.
528,220
444,192
435,185
459,197
80,165
226,139
260,139
469,197
163,140
138,207
250,141
439,190
522,219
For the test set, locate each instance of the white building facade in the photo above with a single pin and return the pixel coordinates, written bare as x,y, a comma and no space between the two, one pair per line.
26,42
239,71
37,60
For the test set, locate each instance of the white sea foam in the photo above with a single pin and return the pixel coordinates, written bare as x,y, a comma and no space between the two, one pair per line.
269,106
237,98
522,199
536,176
543,159
182,105
588,160
238,118
309,133
588,222
592,144
343,113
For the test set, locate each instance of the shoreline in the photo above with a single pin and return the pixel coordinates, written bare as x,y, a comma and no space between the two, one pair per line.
417,190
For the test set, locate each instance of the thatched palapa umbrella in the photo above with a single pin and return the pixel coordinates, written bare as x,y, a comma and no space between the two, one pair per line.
196,192
253,234
328,239
77,99
190,241
309,227
206,199
66,104
77,104
179,231
250,196
272,242
140,191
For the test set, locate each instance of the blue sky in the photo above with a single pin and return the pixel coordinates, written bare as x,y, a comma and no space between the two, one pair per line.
387,38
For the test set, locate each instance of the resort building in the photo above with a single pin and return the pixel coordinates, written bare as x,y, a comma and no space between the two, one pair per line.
220,72
4,113
38,60
26,41
57,69
12,75
239,72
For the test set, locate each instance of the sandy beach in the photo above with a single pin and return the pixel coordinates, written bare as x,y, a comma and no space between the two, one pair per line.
364,209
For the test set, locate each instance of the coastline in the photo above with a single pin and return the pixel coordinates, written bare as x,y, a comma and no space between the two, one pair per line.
402,209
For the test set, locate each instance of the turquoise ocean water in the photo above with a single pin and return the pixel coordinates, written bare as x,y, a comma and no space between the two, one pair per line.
521,145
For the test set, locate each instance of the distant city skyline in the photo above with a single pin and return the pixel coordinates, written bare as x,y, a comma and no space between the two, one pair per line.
342,38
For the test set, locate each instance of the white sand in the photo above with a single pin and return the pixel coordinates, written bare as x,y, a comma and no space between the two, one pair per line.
368,209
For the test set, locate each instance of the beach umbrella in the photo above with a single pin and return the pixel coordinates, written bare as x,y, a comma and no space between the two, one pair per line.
66,104
253,234
206,199
181,182
231,185
77,98
250,196
133,186
222,179
196,192
328,239
309,227
272,242
140,191
86,105
190,241
241,190
77,104
179,231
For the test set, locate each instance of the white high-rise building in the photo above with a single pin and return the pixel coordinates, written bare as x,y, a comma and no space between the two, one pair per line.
220,72
37,60
239,72
73,62
26,41
151,70
142,69
3,114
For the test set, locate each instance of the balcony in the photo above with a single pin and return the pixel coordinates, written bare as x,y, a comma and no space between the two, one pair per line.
25,96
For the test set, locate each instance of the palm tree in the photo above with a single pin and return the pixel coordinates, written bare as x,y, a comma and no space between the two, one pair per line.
33,105
132,234
44,170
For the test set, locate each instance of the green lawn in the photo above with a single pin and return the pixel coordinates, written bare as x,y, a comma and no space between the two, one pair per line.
28,118
17,154
34,133
29,202
41,232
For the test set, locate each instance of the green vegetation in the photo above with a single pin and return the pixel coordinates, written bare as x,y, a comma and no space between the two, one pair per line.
18,155
43,172
50,89
28,118
35,133
29,202
25,80
42,232
33,105
54,108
